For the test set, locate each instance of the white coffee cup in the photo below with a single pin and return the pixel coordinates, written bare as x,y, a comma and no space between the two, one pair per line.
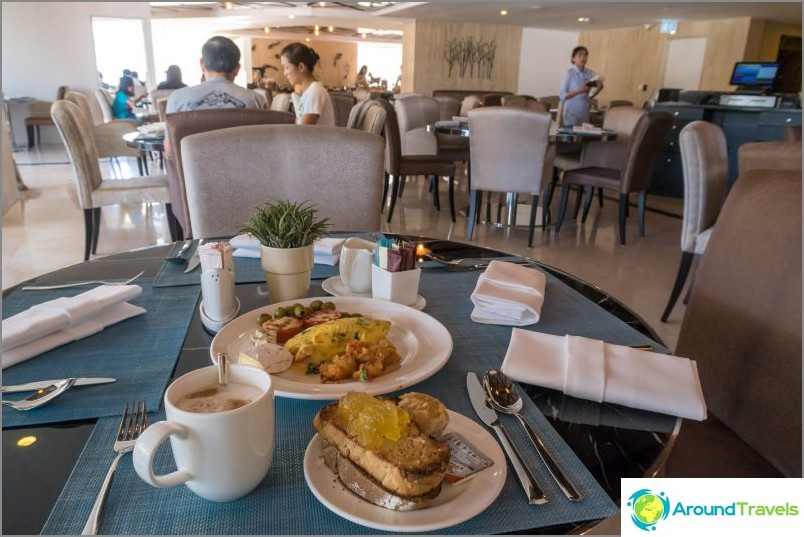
357,256
220,456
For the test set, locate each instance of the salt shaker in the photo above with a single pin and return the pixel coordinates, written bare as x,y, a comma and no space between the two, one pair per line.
219,305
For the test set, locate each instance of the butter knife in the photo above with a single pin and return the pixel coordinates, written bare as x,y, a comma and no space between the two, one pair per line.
193,262
179,257
477,395
38,385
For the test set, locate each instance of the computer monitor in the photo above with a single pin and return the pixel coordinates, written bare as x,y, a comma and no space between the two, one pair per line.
754,74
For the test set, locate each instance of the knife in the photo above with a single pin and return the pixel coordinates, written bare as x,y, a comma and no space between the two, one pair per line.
38,385
179,257
193,262
477,395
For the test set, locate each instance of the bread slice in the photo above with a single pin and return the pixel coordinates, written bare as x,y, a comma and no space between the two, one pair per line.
412,467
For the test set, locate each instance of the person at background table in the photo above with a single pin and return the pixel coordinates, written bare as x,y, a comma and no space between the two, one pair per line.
173,79
125,100
575,88
313,106
361,81
220,63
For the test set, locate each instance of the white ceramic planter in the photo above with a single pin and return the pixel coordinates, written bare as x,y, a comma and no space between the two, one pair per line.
287,271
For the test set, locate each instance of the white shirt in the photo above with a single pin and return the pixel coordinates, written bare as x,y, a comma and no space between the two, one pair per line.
315,100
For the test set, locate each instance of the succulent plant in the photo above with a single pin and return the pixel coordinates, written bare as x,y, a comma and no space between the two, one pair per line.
286,224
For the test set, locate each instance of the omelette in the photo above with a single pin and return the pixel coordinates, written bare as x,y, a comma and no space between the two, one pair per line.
322,342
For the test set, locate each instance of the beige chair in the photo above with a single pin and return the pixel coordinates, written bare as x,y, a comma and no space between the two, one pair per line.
705,163
448,107
281,102
108,136
231,172
93,191
511,152
469,102
743,328
342,105
265,94
774,155
160,94
39,116
183,124
398,166
635,175
414,113
368,116
620,102
551,101
105,102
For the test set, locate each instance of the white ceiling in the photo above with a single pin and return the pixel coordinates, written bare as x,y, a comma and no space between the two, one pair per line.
249,18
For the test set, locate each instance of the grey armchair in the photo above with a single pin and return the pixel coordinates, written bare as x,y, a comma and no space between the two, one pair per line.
368,116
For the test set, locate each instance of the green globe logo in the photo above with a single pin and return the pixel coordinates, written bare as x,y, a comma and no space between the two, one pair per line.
648,508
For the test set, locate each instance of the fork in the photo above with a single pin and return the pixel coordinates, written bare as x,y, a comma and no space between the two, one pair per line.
459,263
131,426
77,284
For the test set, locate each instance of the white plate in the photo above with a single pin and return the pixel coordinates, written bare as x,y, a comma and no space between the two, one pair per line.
423,343
335,286
456,503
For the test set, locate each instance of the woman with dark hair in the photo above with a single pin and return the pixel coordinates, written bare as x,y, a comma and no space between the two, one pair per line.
124,100
575,88
313,106
173,79
361,80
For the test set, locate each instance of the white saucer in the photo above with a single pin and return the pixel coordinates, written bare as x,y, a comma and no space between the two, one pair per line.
335,287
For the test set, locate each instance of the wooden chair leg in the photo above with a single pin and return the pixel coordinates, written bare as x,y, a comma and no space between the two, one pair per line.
681,277
394,194
532,222
578,199
590,192
474,201
87,233
452,197
562,206
600,197
643,196
96,224
623,214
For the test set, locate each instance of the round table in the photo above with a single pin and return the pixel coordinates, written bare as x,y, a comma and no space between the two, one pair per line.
147,143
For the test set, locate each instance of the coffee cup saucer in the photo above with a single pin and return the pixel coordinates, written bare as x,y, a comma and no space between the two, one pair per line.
335,286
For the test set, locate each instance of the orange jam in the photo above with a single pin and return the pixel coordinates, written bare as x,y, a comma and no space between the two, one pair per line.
373,422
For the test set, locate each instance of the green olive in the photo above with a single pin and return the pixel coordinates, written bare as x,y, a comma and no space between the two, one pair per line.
280,312
315,305
264,317
299,311
328,306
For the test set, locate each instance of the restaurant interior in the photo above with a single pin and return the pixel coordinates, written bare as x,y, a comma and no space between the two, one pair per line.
630,237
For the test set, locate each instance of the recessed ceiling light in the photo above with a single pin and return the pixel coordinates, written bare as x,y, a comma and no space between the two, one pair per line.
503,13
316,28
322,4
364,35
317,33
307,39
291,16
331,28
266,30
584,20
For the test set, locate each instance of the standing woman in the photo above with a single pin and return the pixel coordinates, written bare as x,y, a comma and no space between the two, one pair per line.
361,81
575,86
313,107
124,100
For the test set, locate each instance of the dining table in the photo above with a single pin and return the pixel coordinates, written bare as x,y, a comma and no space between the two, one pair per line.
147,143
55,456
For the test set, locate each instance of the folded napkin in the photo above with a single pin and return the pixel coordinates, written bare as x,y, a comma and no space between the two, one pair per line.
326,251
510,294
111,315
602,372
65,314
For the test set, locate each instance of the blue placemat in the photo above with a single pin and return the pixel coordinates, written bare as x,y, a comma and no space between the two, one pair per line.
140,353
283,504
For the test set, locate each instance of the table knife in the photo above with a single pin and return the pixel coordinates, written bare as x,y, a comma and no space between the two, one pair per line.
179,257
477,395
193,262
38,385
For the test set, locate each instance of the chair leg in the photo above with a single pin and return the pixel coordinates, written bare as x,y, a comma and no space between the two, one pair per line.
474,201
401,187
434,187
627,206
681,277
87,233
176,233
578,202
386,178
145,162
532,222
643,196
139,165
488,206
394,194
623,214
96,223
562,206
600,197
452,197
30,131
590,192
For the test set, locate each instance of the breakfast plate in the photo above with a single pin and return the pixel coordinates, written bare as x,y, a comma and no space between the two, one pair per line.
455,504
423,343
336,287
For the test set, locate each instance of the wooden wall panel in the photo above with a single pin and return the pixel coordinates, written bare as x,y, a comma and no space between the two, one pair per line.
408,56
326,71
430,67
769,47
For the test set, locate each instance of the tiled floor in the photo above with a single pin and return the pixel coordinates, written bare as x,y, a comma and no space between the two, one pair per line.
45,232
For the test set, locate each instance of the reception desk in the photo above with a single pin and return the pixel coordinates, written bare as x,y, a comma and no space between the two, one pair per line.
740,125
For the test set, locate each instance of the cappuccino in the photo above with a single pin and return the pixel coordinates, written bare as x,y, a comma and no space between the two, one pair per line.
218,398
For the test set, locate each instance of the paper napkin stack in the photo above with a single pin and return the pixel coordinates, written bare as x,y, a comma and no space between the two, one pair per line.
326,251
51,324
510,294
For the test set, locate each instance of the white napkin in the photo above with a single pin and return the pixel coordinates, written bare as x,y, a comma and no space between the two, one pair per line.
63,313
111,315
599,371
326,251
510,294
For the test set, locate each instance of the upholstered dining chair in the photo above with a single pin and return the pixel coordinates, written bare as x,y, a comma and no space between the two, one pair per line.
368,116
511,152
620,102
183,124
281,102
232,172
108,136
93,191
414,113
39,116
159,94
770,155
468,103
265,94
342,105
743,328
705,163
105,102
635,175
399,166
448,107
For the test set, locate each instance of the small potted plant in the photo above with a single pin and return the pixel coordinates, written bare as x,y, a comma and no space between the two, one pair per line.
286,231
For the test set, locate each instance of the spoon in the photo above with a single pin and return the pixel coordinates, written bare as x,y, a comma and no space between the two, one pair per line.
504,398
42,396
223,369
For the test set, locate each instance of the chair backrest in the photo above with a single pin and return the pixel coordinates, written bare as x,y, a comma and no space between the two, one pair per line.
743,322
105,102
231,172
448,107
159,94
517,101
537,106
80,100
61,92
393,143
705,162
509,149
183,124
491,100
361,94
368,116
772,155
469,102
643,150
161,109
560,114
622,120
620,102
551,100
414,113
281,102
76,133
266,95
342,105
